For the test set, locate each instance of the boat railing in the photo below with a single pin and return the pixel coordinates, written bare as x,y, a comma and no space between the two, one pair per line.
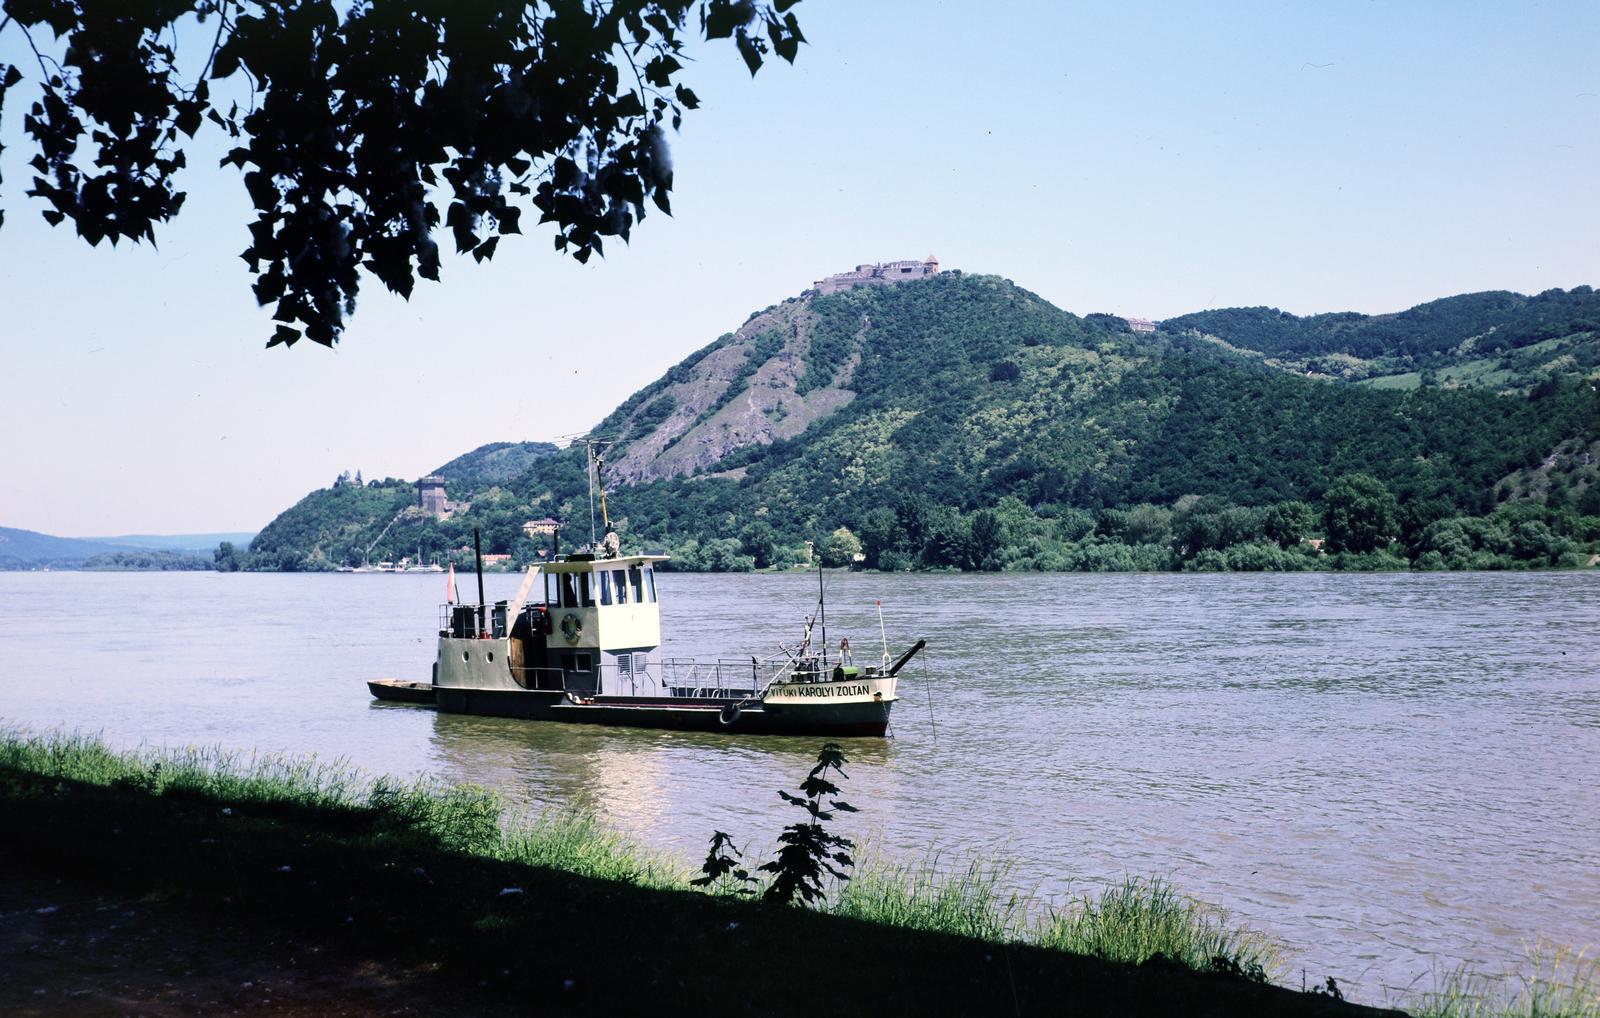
470,622
614,680
722,677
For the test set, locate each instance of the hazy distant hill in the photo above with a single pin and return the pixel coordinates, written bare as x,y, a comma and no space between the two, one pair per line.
176,542
28,549
940,400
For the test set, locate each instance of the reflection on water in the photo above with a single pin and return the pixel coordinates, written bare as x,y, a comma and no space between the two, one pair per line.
1393,773
635,779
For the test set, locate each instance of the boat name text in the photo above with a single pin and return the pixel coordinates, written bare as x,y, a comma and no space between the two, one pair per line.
819,690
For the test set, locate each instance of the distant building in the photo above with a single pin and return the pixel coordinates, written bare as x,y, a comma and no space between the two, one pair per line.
879,274
1139,324
496,560
546,526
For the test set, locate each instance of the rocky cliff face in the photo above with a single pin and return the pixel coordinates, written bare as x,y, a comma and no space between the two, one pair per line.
745,389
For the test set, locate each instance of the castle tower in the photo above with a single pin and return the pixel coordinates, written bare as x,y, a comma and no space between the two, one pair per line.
430,495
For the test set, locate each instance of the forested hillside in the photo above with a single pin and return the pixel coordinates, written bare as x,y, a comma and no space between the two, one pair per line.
962,421
1496,340
352,523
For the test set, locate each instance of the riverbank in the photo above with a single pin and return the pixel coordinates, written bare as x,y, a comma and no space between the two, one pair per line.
426,896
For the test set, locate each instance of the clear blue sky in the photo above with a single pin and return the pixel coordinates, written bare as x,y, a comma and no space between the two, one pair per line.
1145,159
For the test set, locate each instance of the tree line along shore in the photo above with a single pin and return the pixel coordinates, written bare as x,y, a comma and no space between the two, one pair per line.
1358,526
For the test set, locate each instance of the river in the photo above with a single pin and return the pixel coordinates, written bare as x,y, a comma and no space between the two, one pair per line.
1393,774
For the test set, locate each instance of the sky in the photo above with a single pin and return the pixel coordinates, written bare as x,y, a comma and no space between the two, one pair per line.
1143,159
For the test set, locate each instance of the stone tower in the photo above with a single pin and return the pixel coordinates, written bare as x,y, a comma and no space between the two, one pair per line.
430,495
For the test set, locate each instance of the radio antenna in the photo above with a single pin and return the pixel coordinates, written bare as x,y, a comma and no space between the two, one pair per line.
822,612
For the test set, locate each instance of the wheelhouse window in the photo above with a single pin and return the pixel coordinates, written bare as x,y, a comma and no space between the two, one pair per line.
605,587
569,590
636,581
650,584
620,578
585,594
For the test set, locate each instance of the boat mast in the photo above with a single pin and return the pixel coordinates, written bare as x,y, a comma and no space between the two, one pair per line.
600,482
589,448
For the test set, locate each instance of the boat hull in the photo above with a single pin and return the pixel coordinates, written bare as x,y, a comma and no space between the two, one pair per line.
698,714
401,691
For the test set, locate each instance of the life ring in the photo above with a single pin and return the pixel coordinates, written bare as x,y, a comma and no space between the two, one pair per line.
571,627
729,715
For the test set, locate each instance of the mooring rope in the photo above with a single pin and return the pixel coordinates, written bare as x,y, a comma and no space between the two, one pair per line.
922,673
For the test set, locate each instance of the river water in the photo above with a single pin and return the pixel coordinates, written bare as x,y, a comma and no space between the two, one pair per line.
1393,774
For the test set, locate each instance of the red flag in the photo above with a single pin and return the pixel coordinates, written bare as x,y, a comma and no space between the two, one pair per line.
450,585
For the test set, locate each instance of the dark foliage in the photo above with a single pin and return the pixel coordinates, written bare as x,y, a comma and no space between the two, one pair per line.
809,849
722,866
8,76
364,119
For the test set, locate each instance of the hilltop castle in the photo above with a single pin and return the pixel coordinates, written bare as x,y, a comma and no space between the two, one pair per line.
431,498
880,274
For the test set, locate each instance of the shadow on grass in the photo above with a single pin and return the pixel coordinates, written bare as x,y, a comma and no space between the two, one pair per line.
388,877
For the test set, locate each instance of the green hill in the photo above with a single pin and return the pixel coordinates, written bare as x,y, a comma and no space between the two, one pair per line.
495,463
350,524
1496,340
963,421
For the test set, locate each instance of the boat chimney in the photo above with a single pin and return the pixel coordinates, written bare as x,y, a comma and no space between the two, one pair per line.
477,556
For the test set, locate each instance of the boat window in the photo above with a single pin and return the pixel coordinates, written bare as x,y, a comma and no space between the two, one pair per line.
650,584
582,662
552,590
569,590
637,580
605,587
586,596
620,578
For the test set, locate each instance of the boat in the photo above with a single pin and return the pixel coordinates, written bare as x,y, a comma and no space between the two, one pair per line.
586,651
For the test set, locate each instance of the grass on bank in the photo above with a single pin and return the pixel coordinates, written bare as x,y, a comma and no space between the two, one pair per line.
1556,983
1132,922
460,818
354,828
